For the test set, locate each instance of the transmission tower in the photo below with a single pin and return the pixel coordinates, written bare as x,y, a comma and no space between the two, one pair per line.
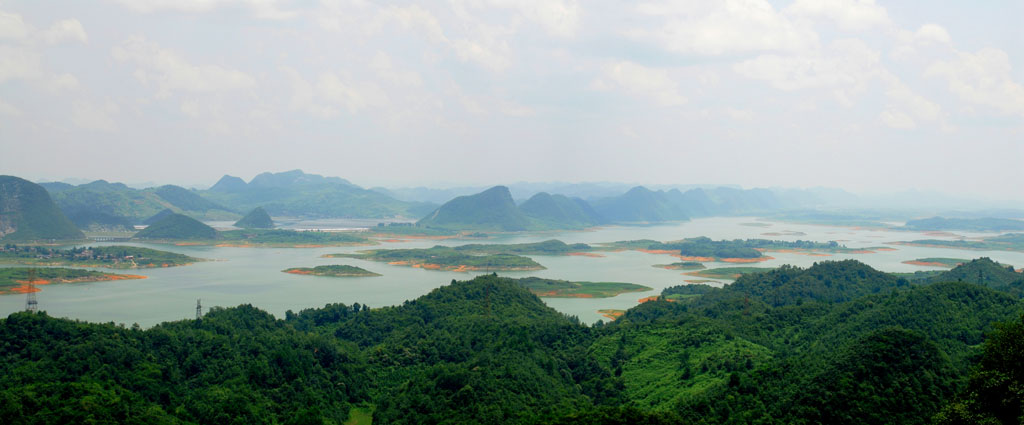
199,310
31,304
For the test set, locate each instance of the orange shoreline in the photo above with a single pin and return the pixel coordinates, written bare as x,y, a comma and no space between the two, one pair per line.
929,264
612,314
462,268
585,254
24,287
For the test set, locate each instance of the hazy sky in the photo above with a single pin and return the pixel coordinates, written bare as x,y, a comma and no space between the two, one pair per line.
856,94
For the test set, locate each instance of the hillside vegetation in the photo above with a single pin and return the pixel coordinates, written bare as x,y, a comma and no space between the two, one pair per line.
836,343
27,213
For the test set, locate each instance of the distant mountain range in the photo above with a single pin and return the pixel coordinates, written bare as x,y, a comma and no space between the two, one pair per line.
297,194
103,205
27,213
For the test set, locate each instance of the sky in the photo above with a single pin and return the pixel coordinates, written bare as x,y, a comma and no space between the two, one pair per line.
855,94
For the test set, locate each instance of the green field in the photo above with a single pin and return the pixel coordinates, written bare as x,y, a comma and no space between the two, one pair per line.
116,257
728,272
445,258
554,288
334,270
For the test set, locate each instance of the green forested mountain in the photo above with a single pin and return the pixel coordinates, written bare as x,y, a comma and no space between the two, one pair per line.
487,351
28,213
177,227
297,194
185,200
983,271
101,204
256,219
158,216
560,211
228,184
826,281
492,209
640,204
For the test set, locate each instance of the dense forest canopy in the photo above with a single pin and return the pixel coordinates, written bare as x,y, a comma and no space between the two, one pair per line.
835,343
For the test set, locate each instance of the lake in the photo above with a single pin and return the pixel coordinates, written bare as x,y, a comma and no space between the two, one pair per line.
253,275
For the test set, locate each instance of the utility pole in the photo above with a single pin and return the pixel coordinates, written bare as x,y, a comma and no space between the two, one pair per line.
199,310
31,304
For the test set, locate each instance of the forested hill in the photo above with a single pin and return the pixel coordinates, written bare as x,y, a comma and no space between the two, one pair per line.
488,351
177,227
28,213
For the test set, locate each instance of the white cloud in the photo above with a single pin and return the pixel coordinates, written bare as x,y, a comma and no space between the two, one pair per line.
12,27
844,64
265,9
168,72
933,33
558,17
846,68
917,105
640,81
62,82
722,27
851,15
896,119
18,63
9,110
66,29
95,117
982,78
419,19
333,92
384,69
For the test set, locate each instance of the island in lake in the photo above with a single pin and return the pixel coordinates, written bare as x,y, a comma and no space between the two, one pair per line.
1006,242
445,258
684,265
334,270
115,257
554,288
728,272
20,280
183,230
937,262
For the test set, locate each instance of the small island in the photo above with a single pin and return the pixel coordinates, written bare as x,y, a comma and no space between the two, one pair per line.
554,288
937,262
684,265
334,270
21,280
548,247
703,249
114,257
280,238
1006,242
612,313
728,272
446,259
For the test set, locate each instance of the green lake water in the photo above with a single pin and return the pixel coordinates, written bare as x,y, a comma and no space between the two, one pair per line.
253,275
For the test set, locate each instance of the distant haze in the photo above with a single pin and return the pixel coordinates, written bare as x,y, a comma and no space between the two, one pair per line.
870,97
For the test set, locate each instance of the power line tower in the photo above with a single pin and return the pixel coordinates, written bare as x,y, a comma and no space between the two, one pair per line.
199,310
31,304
